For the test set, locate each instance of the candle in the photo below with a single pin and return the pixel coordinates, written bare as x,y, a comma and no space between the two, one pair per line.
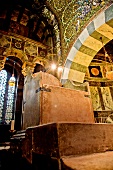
12,125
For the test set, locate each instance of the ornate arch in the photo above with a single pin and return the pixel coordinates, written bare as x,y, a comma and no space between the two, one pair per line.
87,45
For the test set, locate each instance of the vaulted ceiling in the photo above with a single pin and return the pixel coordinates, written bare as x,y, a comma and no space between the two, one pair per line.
31,19
36,19
26,18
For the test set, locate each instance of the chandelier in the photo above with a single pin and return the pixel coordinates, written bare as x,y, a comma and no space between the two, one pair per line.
12,79
109,73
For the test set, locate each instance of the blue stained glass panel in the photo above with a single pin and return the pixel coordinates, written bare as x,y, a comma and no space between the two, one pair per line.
7,98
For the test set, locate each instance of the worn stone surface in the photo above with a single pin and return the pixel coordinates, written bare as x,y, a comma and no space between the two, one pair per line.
31,101
70,143
31,97
98,161
66,146
66,139
27,145
45,140
81,138
65,105
46,78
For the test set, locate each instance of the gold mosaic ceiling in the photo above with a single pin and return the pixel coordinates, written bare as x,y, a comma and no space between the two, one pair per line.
54,23
51,22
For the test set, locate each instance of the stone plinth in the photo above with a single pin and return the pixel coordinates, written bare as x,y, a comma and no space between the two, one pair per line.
66,139
59,104
59,142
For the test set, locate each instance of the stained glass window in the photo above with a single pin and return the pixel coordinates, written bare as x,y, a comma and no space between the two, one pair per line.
3,80
7,96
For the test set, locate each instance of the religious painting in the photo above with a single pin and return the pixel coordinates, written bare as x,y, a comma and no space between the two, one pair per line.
107,98
95,98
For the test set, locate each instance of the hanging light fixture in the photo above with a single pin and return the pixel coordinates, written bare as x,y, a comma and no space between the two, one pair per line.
109,73
12,78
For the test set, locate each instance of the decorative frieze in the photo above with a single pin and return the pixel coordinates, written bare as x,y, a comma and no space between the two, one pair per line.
28,51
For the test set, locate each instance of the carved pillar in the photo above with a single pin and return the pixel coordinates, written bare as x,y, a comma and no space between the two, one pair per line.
28,68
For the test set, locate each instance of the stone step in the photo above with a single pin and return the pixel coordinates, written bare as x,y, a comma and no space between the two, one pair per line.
96,161
16,141
61,144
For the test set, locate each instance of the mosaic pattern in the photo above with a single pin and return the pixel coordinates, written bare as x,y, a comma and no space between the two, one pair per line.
74,15
5,41
18,44
102,100
27,47
95,71
95,99
22,28
57,46
107,98
30,49
87,45
99,71
28,52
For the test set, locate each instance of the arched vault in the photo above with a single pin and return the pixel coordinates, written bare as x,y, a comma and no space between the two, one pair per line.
87,45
